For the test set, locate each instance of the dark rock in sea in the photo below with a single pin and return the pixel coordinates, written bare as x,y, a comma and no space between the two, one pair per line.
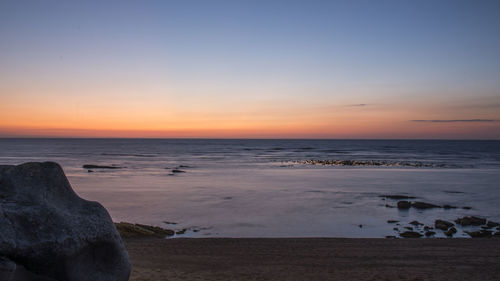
450,232
397,197
442,224
492,224
429,233
184,166
162,232
428,227
410,234
360,226
480,234
372,163
389,206
178,171
409,227
404,205
128,230
449,207
465,221
50,232
390,236
87,166
466,208
180,232
169,222
452,191
90,171
423,205
396,229
416,223
392,221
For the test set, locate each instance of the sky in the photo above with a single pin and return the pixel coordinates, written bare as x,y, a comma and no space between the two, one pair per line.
426,69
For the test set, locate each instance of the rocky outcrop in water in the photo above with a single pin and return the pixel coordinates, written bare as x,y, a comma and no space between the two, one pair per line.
410,234
423,205
442,224
397,196
49,233
450,232
91,166
128,230
465,221
480,233
404,205
375,163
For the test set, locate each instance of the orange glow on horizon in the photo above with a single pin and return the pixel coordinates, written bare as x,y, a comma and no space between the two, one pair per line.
110,116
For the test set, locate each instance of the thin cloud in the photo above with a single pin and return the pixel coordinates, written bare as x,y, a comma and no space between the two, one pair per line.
357,105
455,120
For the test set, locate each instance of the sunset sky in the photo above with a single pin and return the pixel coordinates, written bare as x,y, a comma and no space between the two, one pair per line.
250,69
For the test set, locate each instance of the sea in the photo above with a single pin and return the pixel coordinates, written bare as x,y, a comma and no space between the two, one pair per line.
279,187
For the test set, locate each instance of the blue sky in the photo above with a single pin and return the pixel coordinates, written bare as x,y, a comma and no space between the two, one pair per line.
211,57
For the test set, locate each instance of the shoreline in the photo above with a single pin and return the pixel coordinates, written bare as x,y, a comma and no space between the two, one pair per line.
313,259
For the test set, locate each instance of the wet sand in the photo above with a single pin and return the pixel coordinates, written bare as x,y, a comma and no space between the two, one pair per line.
314,259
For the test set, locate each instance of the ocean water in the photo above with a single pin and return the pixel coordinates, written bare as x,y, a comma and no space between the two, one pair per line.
276,188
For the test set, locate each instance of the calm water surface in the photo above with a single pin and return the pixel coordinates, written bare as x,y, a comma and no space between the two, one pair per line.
262,188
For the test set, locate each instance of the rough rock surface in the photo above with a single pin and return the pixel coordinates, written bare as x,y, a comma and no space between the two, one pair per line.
49,233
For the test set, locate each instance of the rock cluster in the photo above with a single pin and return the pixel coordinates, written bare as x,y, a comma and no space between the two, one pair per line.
383,163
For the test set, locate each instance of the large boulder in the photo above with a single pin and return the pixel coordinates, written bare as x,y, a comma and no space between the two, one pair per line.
47,232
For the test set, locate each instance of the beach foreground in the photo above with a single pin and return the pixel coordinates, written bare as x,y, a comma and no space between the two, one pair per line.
313,259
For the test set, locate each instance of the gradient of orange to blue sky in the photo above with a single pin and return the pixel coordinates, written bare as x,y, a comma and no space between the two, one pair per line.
250,69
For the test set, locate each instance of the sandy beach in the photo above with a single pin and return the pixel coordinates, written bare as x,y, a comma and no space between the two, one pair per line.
314,259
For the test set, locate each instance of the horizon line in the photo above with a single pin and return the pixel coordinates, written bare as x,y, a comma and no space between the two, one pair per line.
236,138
